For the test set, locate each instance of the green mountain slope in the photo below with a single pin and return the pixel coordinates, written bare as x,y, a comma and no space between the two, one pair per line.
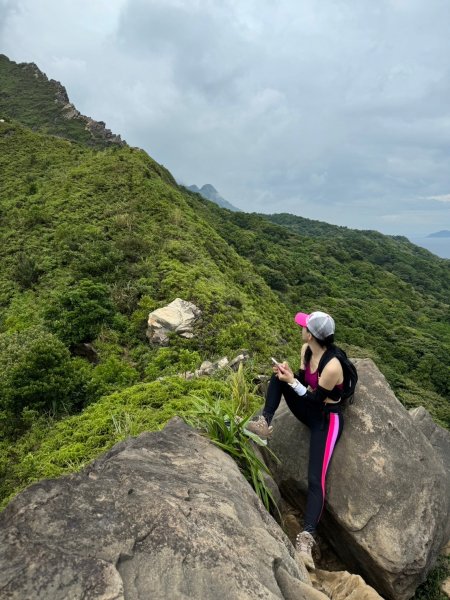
27,95
114,217
396,254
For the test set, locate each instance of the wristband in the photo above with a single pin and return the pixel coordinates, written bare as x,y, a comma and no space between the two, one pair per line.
298,387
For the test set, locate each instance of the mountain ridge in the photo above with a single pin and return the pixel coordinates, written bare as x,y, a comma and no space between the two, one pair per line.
18,81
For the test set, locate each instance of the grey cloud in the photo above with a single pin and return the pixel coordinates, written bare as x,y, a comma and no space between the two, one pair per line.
206,55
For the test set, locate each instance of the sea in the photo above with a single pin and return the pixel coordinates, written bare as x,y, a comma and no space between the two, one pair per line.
438,246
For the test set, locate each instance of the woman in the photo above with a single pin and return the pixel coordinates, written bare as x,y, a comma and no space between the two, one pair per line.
315,400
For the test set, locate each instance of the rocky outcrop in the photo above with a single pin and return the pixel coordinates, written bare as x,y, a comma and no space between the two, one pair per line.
100,135
388,505
177,317
209,368
445,587
438,437
164,515
96,128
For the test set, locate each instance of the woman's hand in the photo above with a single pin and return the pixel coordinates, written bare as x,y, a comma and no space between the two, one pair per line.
285,373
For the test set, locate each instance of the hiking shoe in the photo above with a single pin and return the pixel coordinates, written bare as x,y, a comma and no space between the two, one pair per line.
303,544
260,427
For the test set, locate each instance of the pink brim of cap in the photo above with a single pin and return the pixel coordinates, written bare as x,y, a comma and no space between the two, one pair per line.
301,319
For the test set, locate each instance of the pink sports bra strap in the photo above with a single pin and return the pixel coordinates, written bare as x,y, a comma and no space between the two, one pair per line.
312,379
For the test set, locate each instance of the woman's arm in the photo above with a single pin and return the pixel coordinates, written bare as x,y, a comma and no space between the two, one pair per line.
302,356
330,377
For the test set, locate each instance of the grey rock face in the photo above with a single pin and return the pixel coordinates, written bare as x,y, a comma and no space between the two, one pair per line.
179,317
388,506
165,515
438,437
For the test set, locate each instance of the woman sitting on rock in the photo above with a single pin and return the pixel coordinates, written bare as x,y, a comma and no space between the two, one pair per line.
315,400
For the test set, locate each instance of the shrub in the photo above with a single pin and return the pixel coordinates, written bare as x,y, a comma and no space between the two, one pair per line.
111,375
76,314
39,374
26,272
171,361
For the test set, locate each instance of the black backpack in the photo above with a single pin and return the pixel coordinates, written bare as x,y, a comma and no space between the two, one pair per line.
349,369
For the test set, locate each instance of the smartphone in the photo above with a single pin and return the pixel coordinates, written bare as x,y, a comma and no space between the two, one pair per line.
275,362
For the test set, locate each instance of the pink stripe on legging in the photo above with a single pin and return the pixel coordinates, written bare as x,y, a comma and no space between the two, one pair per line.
333,430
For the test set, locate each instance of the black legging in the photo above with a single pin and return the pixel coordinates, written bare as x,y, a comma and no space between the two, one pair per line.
325,430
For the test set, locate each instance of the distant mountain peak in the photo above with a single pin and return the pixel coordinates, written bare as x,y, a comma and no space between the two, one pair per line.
208,189
209,192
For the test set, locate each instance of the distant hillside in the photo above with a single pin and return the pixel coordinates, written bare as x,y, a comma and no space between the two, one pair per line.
394,254
444,233
27,95
210,193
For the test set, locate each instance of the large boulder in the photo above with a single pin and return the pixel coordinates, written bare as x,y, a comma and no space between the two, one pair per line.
388,507
164,515
178,317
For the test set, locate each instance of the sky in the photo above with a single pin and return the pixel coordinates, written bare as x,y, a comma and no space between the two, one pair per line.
336,110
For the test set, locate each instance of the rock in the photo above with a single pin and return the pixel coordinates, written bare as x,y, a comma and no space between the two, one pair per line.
179,317
164,515
242,357
206,368
209,368
445,585
387,511
294,589
222,363
438,437
342,585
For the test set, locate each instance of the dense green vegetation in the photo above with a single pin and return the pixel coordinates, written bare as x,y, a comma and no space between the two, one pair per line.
427,273
93,239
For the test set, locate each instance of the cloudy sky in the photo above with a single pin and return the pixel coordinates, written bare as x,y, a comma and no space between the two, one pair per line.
337,110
